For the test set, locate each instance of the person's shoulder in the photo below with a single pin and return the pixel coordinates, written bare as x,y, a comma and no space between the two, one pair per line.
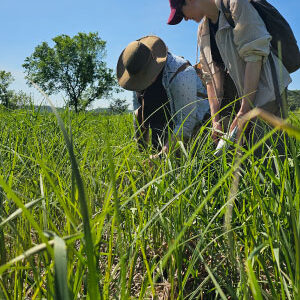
175,59
234,4
172,64
230,4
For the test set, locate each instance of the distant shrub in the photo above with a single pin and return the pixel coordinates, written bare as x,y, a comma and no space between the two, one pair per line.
118,106
294,100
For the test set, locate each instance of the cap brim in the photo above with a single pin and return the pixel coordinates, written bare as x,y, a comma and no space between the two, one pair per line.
175,17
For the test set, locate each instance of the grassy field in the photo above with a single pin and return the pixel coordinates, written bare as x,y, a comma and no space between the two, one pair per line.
83,214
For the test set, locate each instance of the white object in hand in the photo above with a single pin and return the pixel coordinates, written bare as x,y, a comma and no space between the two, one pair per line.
224,141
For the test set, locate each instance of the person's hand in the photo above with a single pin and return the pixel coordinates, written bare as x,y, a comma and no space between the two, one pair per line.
153,159
164,150
155,156
234,124
237,122
217,131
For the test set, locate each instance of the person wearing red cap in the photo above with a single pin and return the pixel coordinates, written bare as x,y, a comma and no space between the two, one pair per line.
241,51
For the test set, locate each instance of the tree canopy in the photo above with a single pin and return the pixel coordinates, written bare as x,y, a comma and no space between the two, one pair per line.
118,106
74,66
5,81
294,100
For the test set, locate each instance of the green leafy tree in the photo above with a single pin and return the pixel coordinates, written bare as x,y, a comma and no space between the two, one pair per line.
294,100
5,94
74,66
118,106
20,99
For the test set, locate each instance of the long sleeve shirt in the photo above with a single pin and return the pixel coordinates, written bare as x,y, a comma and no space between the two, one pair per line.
248,41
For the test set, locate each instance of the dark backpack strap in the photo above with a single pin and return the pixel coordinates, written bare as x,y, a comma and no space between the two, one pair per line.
226,11
140,96
278,96
180,69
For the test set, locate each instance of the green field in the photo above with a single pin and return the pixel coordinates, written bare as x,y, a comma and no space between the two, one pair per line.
111,225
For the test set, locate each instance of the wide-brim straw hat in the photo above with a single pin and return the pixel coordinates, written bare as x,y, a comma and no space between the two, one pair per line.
141,62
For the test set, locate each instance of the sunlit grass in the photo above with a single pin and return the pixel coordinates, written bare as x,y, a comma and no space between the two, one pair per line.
156,230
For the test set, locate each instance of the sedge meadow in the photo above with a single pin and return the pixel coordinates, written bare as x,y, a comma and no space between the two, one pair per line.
83,214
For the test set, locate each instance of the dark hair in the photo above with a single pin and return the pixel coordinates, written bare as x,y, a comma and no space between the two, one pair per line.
181,5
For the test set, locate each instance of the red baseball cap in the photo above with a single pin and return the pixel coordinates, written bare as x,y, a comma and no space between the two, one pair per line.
176,15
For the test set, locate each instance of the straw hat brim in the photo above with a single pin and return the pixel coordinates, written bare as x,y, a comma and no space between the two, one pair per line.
143,79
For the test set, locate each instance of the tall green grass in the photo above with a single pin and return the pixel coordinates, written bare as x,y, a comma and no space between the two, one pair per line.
83,214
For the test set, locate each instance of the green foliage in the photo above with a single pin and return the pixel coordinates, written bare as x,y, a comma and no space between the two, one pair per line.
74,66
20,100
294,100
5,94
157,228
118,106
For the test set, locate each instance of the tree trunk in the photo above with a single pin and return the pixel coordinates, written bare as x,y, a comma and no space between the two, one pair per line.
75,103
6,101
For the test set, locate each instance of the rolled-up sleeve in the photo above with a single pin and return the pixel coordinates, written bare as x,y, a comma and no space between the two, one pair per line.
183,91
250,34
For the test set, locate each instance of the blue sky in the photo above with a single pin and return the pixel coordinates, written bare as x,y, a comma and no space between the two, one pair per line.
25,24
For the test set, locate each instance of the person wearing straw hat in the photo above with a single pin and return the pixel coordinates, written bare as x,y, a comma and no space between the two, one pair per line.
168,94
241,48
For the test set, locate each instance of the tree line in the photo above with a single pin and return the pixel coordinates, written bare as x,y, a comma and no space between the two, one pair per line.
73,66
294,100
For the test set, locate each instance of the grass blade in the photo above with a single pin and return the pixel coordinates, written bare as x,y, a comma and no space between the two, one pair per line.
93,288
61,276
256,292
19,211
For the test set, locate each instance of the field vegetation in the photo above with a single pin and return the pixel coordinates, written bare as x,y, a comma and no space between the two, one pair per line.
83,214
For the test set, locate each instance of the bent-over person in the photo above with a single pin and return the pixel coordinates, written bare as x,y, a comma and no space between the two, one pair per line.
243,49
168,95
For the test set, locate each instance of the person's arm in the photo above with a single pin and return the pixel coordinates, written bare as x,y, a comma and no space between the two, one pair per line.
140,131
214,105
253,45
215,94
252,76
